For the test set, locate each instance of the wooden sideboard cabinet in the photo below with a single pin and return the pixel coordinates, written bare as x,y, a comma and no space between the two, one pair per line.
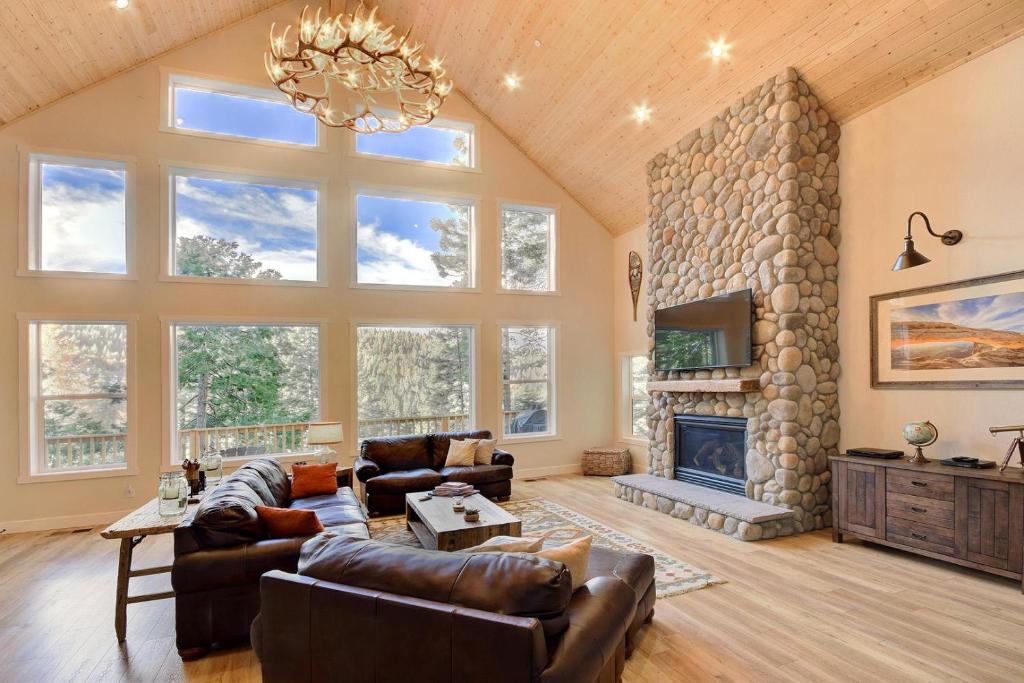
973,518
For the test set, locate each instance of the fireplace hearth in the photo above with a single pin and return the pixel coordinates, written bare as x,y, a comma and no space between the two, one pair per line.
711,451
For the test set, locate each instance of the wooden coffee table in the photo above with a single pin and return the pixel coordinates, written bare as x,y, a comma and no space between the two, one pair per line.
438,527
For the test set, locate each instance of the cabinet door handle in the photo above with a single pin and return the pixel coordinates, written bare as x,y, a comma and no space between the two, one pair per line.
917,509
920,537
918,483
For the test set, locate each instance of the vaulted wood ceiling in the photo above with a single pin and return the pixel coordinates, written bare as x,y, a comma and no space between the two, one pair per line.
595,60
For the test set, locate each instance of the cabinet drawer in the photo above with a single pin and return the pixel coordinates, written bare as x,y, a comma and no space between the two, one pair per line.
919,509
937,539
923,484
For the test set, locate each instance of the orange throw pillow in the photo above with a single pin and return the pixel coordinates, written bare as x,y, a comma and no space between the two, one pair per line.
285,523
314,480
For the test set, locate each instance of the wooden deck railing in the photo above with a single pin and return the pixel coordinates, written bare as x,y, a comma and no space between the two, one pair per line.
71,452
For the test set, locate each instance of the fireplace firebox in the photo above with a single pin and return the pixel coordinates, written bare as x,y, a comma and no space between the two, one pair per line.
711,451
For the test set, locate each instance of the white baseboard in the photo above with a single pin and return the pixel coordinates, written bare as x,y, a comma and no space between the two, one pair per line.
19,526
537,472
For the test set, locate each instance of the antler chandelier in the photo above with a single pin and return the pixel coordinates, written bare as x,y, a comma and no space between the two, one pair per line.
327,58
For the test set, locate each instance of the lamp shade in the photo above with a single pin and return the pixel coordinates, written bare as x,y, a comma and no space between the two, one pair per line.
324,433
910,257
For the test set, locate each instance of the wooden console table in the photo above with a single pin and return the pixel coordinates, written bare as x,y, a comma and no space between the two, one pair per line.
974,518
131,530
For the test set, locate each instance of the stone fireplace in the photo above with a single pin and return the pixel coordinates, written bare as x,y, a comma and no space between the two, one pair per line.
711,451
749,200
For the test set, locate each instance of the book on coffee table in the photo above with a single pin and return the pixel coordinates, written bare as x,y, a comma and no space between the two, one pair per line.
453,489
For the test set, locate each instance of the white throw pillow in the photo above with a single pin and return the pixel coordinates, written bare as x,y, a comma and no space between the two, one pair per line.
461,453
507,544
485,451
574,555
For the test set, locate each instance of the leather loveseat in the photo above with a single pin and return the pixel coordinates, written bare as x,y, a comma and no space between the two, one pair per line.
221,551
383,612
391,466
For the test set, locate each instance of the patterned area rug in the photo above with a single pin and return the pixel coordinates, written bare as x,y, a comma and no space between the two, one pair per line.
543,518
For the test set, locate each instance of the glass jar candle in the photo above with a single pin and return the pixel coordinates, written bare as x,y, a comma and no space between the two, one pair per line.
172,494
213,465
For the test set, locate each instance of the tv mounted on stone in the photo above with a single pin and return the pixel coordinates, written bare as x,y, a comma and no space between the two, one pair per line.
704,334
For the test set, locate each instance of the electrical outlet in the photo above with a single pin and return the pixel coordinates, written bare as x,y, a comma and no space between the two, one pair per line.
129,491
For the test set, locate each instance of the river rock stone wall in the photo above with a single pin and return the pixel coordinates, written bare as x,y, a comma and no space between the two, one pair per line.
749,200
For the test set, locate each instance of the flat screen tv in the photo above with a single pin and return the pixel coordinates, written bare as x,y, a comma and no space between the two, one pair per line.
708,333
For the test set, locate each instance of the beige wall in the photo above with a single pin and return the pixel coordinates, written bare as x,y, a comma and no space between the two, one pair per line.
953,148
121,117
630,337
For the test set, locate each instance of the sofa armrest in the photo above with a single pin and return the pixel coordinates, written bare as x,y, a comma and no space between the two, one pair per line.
366,469
500,457
213,568
599,613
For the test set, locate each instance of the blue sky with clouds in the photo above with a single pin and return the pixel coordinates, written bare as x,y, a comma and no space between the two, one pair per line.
82,221
242,116
998,312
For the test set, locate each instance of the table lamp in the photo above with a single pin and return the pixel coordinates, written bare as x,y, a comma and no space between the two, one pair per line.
324,434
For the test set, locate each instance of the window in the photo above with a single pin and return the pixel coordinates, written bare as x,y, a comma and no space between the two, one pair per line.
77,390
243,389
414,241
634,388
442,143
527,248
207,107
77,215
414,379
527,380
242,228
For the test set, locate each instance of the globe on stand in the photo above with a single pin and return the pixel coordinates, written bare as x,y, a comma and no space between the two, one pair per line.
919,435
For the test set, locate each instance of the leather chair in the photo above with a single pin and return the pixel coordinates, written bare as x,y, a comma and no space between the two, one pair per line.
221,551
506,617
391,466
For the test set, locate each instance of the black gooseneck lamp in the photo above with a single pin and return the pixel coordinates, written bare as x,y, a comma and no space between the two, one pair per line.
912,257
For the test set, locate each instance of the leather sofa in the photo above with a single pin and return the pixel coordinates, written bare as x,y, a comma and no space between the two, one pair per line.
391,466
382,612
221,551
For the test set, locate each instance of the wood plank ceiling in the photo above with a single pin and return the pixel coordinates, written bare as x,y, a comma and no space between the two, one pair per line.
583,63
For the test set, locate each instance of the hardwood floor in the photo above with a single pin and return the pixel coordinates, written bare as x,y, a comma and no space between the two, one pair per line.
798,608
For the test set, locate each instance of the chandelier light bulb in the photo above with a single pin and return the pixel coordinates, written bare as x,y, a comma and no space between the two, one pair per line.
718,49
642,114
121,4
512,81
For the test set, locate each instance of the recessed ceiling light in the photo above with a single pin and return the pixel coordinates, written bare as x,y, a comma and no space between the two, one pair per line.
642,114
718,49
121,4
512,81
536,43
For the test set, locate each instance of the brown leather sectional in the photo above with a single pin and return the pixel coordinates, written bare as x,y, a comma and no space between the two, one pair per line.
391,466
221,552
380,612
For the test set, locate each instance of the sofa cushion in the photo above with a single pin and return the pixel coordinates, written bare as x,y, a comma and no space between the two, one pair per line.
396,453
314,480
505,583
274,476
636,570
337,515
440,442
286,523
406,481
343,498
480,474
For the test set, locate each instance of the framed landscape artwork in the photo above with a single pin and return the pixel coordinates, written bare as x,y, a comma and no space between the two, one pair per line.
961,335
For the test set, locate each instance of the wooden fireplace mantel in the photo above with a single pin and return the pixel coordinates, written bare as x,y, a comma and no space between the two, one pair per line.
736,385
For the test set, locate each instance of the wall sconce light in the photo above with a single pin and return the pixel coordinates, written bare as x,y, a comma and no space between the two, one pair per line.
912,257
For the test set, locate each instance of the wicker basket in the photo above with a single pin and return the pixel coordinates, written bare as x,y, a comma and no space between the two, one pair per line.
606,462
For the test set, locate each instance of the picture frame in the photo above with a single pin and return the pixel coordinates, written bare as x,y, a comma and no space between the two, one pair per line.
967,334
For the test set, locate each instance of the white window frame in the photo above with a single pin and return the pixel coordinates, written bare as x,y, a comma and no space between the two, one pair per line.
31,470
554,213
30,208
626,397
414,194
474,363
553,433
449,123
169,79
170,461
170,170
